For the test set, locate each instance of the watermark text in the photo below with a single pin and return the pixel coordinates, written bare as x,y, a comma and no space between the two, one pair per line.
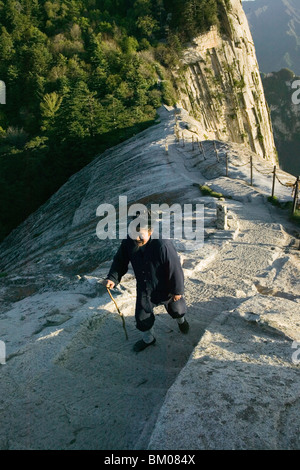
2,92
296,354
296,94
168,222
2,353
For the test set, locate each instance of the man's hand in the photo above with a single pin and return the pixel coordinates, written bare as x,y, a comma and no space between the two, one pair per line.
108,283
176,297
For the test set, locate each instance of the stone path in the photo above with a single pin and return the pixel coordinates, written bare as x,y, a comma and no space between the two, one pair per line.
82,387
241,387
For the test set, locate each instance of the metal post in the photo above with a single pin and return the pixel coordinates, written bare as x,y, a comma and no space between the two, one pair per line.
251,170
274,177
202,149
226,163
295,195
216,152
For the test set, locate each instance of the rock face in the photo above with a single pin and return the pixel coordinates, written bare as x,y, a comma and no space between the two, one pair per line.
233,394
283,99
221,86
72,381
61,235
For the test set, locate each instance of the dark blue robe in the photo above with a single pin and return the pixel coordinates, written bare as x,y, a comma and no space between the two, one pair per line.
159,276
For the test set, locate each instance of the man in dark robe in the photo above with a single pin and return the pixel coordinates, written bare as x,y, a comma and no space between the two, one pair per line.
159,277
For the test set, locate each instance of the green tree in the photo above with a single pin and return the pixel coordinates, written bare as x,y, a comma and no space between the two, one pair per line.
147,25
81,75
49,107
7,50
81,114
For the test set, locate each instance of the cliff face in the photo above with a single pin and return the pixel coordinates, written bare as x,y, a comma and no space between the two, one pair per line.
285,115
220,85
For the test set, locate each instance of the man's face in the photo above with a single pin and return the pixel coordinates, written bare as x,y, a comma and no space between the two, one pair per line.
143,237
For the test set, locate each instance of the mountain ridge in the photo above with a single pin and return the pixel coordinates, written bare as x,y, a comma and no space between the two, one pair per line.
275,26
78,378
279,90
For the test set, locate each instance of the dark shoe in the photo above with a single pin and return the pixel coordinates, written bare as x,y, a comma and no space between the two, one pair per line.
184,327
141,345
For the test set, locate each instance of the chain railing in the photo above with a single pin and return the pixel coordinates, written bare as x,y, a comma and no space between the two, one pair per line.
294,186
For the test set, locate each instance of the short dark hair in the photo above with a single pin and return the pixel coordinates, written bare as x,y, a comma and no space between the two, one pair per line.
145,219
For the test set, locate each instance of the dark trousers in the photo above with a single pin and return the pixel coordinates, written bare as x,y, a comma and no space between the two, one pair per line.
144,315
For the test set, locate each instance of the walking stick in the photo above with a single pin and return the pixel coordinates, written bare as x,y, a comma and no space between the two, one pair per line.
121,314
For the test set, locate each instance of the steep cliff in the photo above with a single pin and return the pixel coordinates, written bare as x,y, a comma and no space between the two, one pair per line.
220,85
285,114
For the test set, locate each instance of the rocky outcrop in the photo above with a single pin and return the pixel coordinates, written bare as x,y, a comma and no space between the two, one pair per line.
220,85
61,235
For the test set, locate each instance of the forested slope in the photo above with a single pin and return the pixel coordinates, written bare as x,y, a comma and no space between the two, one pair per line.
80,77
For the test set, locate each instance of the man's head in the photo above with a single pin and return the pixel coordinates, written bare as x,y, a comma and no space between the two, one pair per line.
140,228
143,236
